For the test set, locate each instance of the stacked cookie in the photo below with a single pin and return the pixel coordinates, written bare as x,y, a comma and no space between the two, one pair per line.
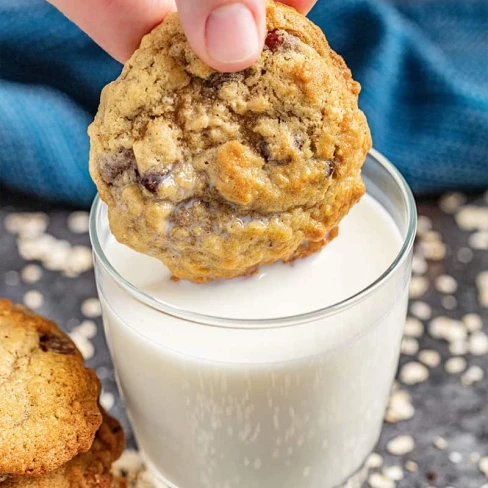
53,433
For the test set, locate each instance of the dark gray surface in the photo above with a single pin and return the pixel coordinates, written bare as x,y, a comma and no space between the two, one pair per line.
443,407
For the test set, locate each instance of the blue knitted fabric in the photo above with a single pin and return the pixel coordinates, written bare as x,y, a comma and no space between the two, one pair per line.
423,66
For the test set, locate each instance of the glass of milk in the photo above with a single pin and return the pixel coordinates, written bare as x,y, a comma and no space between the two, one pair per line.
278,380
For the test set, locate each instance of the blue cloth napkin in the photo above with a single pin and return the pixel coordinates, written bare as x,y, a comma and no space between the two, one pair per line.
423,66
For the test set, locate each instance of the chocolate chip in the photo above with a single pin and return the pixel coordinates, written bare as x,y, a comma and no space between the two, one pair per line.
274,40
113,164
431,476
329,168
57,344
151,182
264,149
214,82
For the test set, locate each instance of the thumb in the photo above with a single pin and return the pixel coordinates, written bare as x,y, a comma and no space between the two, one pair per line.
227,35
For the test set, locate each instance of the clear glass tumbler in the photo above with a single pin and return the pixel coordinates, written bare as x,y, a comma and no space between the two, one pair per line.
305,418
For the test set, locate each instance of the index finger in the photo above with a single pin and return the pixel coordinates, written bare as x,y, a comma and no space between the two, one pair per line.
116,25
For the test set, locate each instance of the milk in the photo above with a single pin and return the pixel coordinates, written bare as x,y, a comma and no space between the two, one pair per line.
257,401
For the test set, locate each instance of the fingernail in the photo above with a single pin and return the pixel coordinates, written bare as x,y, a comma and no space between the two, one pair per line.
232,35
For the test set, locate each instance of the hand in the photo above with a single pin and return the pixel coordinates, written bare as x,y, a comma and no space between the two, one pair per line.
227,34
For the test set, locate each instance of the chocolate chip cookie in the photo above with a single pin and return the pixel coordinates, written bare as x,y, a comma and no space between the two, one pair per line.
48,400
88,470
216,173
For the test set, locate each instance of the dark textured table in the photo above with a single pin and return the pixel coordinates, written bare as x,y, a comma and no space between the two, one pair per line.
440,401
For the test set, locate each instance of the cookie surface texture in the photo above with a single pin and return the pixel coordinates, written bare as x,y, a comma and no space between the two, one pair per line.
218,174
88,470
48,399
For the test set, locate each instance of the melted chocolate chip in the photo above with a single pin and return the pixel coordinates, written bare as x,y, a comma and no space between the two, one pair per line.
214,82
264,150
329,168
151,182
112,165
57,344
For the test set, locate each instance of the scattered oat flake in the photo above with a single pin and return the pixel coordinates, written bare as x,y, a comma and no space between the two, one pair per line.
374,461
478,343
26,224
399,407
472,322
448,329
418,286
433,250
413,327
440,443
474,457
430,357
78,222
411,466
421,310
84,345
471,217
91,308
450,202
378,480
473,374
479,240
482,283
424,224
394,473
465,255
458,348
410,346
445,284
419,264
31,273
107,400
483,465
33,299
12,278
455,457
401,445
455,365
413,373
449,302
56,254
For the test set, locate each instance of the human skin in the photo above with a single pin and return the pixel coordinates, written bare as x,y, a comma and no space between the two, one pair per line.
228,35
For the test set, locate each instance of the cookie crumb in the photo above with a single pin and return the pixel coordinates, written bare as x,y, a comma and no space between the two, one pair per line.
394,473
450,202
446,284
478,343
411,466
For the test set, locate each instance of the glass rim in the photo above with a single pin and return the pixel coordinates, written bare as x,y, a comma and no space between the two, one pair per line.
275,322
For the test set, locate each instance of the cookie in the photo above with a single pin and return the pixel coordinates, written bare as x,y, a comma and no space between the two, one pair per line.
48,400
88,470
217,174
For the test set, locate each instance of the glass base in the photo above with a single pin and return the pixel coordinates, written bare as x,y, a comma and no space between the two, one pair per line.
357,480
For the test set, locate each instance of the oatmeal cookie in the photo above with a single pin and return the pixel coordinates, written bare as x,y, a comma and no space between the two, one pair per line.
216,173
88,470
48,400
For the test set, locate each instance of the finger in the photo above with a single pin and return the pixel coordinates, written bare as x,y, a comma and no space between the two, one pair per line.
228,35
303,6
116,25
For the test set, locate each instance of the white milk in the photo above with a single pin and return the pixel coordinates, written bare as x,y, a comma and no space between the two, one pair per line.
290,407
